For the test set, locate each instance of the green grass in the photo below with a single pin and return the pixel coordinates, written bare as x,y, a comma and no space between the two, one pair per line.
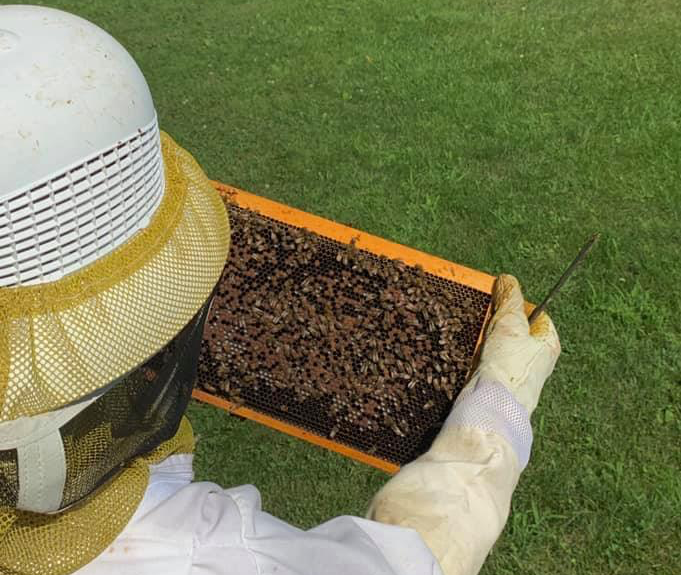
497,134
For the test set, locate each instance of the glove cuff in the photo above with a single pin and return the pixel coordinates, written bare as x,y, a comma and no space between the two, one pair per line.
490,406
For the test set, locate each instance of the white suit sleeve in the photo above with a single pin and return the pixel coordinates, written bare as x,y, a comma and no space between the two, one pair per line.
457,495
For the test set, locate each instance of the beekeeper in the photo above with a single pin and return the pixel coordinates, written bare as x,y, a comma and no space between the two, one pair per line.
111,243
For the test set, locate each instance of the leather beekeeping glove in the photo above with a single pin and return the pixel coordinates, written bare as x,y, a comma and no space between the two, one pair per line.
515,354
457,495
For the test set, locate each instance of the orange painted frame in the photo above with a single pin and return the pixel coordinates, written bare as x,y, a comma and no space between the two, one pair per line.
432,264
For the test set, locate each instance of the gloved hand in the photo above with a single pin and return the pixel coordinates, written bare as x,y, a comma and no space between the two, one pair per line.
514,354
457,495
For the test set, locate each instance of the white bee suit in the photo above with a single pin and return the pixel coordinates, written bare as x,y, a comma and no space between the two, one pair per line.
185,528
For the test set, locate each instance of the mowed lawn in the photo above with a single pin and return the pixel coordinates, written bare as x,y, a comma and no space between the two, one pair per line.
497,134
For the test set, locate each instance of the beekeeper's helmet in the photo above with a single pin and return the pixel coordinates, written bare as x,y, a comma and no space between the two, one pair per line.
111,242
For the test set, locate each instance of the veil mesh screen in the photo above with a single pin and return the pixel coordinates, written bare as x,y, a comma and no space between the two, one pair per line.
140,411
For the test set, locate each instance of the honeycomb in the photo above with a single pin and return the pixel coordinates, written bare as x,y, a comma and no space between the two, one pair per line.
352,346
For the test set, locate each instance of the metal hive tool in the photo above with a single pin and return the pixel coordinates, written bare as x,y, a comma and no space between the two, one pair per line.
317,333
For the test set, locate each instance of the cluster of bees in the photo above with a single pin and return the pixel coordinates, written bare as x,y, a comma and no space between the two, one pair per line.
313,330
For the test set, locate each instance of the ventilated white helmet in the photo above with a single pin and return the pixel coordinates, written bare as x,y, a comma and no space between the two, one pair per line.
111,242
81,169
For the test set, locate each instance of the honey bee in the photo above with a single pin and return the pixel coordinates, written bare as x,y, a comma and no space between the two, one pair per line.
236,402
208,387
222,370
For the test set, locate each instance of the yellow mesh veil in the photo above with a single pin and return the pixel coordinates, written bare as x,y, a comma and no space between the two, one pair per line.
66,340
63,340
59,544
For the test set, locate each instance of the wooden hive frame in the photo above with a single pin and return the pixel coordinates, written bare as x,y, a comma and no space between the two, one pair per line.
434,265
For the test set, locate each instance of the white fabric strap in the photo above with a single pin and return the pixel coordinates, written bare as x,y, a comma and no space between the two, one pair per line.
41,461
491,407
23,431
42,474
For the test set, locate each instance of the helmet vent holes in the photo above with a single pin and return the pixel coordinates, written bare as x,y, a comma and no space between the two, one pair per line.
81,214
